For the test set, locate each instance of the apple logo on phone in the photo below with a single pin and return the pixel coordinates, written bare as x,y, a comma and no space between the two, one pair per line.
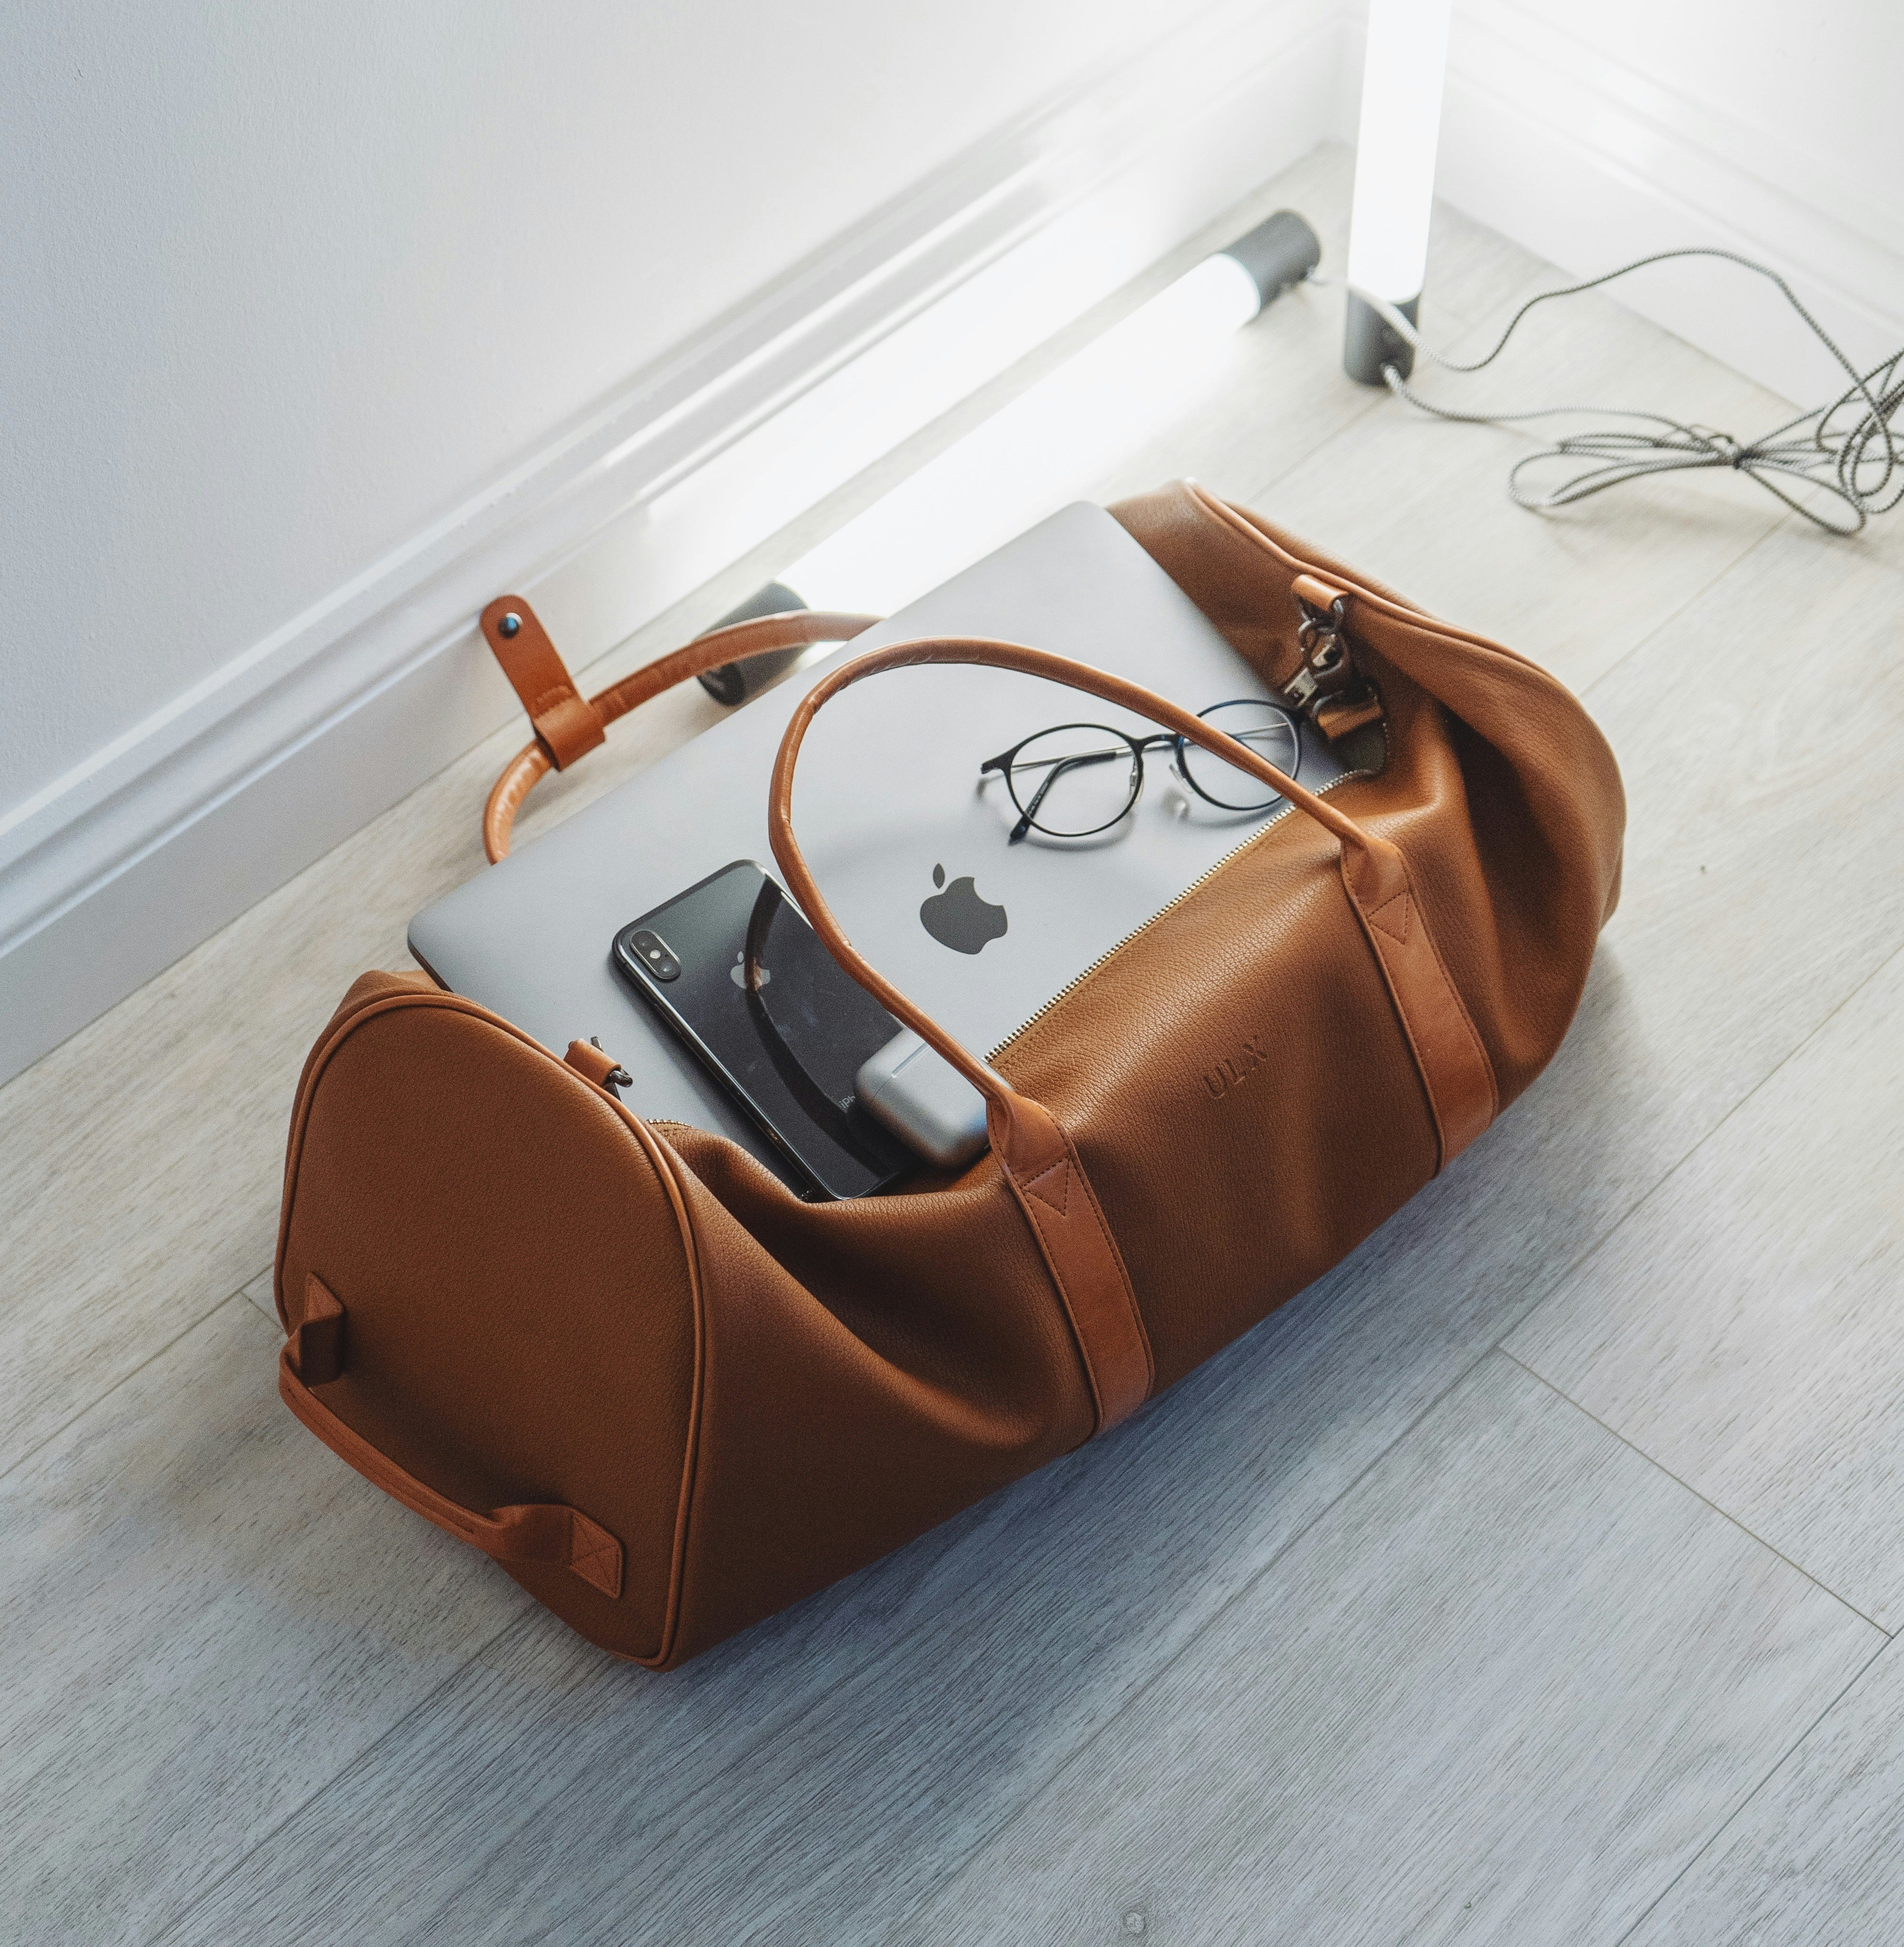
738,972
958,918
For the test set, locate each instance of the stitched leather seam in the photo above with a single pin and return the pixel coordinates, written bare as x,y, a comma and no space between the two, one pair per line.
1442,1133
668,1165
603,1552
1436,1127
1379,917
1395,609
1124,1280
1061,1168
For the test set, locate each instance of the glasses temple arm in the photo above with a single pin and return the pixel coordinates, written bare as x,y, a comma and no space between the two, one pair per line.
1059,766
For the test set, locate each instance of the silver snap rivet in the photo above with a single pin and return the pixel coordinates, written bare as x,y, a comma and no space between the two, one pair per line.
510,625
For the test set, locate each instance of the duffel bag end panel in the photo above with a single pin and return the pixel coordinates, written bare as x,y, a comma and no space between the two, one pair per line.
519,1334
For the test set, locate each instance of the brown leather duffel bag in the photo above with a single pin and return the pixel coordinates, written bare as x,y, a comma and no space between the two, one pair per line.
669,1397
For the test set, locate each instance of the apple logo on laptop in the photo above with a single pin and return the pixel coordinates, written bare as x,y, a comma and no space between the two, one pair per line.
958,918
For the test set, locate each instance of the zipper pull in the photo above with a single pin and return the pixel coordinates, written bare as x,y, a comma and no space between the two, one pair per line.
1325,666
1327,688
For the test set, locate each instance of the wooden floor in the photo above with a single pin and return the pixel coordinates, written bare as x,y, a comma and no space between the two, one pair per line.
1530,1579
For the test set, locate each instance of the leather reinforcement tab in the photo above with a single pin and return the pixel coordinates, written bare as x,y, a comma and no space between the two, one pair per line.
1042,1166
567,725
315,1348
1318,594
1341,716
1455,1073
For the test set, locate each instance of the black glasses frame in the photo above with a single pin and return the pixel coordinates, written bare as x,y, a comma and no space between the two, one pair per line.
1138,748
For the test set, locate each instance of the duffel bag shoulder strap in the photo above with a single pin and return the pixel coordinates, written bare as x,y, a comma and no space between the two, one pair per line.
1035,1153
568,724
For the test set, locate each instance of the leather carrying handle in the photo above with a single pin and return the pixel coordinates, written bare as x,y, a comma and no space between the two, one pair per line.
1455,1073
1039,1159
568,725
546,1534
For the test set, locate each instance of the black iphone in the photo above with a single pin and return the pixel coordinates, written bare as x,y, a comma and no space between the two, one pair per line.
734,969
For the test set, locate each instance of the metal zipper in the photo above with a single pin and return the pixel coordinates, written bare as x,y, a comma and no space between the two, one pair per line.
1202,879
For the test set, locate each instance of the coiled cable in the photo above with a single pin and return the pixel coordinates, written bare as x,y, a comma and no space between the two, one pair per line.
1846,450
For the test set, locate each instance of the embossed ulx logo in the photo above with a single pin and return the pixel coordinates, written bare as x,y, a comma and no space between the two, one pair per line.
1232,1071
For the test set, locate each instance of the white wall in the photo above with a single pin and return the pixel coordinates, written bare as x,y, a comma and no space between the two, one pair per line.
1596,134
287,284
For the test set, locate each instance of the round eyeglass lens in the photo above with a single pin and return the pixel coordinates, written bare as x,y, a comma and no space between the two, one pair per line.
1267,730
1076,779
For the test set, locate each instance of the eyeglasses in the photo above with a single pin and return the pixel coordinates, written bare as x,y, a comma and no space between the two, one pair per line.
1076,779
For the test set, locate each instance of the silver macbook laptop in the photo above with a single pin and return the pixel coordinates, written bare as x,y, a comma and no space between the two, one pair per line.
909,842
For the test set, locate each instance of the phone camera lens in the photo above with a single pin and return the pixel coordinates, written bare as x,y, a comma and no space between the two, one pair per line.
655,956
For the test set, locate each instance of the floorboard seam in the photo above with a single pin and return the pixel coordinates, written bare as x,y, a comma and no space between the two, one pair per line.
1604,1236
1308,453
680,1811
1856,1677
1652,1190
151,1358
1705,1500
1779,525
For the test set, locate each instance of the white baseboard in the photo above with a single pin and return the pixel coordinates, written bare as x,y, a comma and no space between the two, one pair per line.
1583,159
128,861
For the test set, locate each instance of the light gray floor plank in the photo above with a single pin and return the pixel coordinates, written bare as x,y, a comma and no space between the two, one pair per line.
1502,1693
1817,1855
206,1616
1760,889
1744,1327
